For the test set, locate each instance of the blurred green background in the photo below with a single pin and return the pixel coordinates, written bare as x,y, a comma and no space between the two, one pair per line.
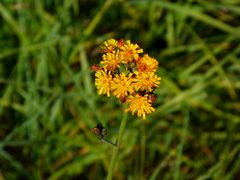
49,104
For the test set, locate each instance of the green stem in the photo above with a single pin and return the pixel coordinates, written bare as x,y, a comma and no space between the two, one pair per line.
115,152
142,150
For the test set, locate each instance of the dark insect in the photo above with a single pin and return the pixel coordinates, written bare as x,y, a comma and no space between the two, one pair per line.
99,131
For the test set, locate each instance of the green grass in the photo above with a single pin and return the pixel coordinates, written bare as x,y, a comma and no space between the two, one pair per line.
49,104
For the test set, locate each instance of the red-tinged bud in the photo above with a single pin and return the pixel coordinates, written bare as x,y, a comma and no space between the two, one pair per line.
95,67
152,98
120,42
123,99
142,93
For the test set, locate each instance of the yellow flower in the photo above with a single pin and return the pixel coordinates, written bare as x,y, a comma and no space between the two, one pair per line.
122,85
140,105
111,60
130,52
109,46
103,82
146,81
127,75
147,64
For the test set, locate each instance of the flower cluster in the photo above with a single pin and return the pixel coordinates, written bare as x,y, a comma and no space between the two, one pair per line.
127,75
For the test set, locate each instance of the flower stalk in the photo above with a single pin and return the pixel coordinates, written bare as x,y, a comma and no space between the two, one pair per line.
116,150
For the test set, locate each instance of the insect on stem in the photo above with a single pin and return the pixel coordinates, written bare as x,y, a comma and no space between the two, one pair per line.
101,132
